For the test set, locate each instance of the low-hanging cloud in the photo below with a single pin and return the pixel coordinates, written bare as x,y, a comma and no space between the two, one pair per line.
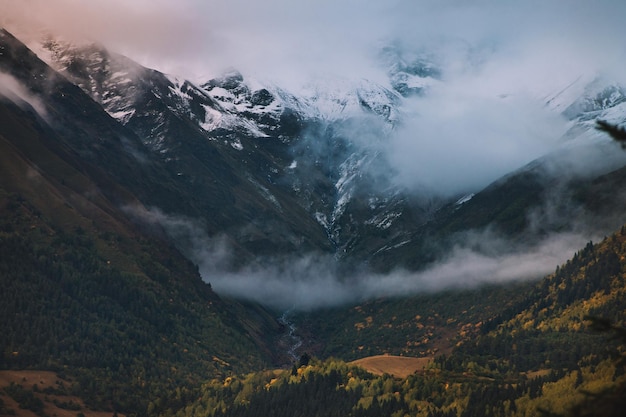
311,281
467,267
13,90
314,281
187,234
458,143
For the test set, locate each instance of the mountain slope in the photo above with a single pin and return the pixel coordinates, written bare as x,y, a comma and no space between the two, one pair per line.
265,174
204,159
84,290
299,153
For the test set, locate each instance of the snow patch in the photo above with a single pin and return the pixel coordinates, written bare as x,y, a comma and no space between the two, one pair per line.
464,199
236,144
322,220
122,116
265,193
391,247
383,221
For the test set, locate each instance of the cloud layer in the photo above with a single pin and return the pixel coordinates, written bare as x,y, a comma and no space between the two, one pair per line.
312,281
458,143
287,39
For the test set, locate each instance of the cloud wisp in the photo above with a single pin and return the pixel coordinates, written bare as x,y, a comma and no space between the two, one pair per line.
456,143
13,90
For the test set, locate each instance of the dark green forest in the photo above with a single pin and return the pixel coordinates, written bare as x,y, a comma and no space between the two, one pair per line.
123,334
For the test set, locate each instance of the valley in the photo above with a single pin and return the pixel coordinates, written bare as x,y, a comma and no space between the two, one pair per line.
238,247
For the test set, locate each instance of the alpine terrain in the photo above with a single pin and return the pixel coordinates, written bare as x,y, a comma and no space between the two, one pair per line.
233,247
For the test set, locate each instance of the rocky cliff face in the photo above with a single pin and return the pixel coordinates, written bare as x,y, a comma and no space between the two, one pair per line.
316,154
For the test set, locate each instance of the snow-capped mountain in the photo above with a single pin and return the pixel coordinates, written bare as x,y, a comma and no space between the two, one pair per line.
587,98
275,171
601,99
314,149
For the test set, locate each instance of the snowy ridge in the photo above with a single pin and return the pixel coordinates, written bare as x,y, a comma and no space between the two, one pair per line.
111,80
329,102
333,100
214,114
598,96
464,199
565,95
587,94
410,73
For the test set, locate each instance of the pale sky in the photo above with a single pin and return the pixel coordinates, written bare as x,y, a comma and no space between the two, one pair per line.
284,38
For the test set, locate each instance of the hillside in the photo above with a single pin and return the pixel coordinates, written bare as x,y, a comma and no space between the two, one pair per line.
544,315
84,290
101,305
32,393
539,355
